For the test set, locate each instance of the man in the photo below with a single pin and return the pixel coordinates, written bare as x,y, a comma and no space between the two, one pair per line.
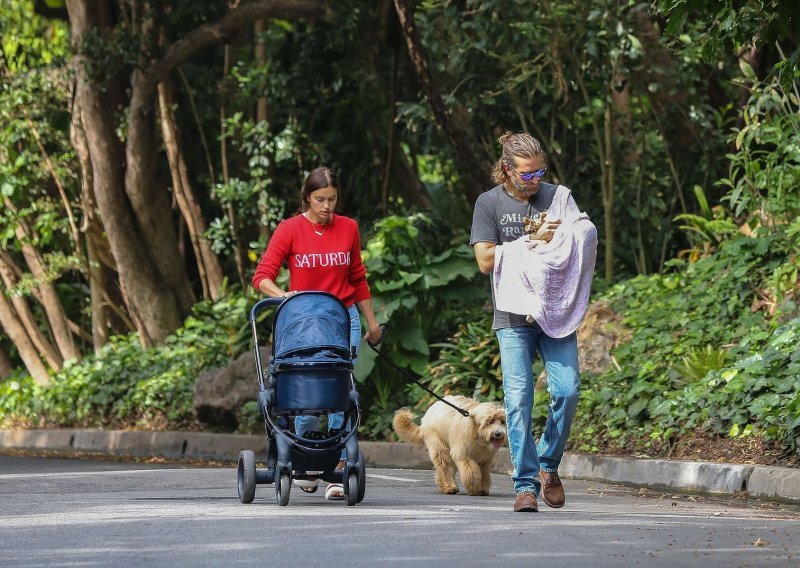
498,219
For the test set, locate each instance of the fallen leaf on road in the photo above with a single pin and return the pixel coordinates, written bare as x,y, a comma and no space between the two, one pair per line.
760,542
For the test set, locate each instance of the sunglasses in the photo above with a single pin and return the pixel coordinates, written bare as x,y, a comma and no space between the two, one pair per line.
528,176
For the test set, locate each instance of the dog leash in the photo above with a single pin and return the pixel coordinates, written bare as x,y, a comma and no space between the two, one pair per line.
411,375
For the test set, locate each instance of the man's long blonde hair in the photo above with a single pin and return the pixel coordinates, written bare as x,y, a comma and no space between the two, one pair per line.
519,145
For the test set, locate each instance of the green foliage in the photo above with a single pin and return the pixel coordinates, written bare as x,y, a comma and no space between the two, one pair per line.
729,25
127,386
709,228
558,76
469,363
698,362
251,201
28,41
421,286
765,169
661,389
758,393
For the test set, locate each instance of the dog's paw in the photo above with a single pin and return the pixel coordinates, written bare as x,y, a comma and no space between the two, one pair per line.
449,490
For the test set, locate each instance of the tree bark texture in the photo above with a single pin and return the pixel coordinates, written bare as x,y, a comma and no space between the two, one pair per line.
6,366
108,306
133,209
43,346
238,255
19,337
48,296
208,265
477,177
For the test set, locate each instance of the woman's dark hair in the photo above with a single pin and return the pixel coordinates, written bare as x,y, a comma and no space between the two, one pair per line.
318,178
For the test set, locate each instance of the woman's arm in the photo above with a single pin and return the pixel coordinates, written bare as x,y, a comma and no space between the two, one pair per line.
373,334
268,287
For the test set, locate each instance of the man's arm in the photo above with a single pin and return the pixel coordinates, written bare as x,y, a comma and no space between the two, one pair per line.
484,254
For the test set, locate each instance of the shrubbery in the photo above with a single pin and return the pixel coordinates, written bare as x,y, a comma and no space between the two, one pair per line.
126,386
692,329
700,359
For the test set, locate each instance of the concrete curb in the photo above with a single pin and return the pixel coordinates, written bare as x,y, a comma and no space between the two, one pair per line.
775,483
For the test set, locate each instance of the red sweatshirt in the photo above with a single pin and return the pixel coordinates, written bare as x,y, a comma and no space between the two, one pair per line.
330,262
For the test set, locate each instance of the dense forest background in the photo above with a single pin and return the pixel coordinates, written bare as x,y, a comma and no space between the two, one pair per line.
149,149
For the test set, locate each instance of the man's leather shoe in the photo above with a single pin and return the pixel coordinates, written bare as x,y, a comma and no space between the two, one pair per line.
552,490
525,503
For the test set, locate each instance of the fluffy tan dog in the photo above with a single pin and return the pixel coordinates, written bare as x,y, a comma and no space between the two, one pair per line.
468,443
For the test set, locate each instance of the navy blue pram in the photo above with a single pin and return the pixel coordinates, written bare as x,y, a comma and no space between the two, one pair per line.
310,372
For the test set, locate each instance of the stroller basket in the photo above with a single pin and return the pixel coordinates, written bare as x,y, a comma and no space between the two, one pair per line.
309,388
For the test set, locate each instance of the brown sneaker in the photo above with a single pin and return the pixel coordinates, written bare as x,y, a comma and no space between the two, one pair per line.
525,503
552,490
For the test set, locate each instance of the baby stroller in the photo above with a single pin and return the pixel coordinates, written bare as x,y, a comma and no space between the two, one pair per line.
310,373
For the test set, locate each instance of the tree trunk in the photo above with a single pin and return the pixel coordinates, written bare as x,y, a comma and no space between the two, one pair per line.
6,366
108,312
150,202
669,100
19,337
152,306
134,211
477,177
238,257
47,292
25,316
208,265
408,182
261,61
608,190
263,115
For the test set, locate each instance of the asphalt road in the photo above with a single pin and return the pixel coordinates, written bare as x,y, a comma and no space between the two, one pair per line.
58,512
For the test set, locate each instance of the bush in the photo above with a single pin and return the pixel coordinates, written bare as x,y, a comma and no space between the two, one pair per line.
690,328
127,386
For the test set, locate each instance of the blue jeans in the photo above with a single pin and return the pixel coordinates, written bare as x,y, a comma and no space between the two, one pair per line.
518,347
303,424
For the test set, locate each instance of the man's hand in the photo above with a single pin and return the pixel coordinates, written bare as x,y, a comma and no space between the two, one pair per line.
546,231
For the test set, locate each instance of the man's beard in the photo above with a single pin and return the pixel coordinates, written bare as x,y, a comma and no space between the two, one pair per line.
523,188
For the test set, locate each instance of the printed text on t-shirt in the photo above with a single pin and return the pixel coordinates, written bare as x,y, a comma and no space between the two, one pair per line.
515,222
315,260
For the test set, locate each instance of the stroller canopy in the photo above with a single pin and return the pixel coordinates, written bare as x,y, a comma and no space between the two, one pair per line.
312,326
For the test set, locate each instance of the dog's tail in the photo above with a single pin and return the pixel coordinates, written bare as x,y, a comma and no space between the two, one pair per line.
405,427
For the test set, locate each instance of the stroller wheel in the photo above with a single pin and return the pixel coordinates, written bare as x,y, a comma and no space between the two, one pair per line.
247,476
282,488
362,480
352,489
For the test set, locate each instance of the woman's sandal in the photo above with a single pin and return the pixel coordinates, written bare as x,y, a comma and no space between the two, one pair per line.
307,485
334,492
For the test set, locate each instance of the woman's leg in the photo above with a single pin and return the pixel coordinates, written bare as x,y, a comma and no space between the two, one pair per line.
335,420
335,491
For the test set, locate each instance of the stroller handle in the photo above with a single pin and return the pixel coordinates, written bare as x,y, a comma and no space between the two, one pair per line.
261,305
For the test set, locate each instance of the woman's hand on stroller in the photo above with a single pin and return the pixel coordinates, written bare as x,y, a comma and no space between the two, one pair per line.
375,335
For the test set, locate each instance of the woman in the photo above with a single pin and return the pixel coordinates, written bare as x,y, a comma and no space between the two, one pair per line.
323,253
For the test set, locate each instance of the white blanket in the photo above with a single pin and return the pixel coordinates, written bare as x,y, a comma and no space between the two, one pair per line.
550,282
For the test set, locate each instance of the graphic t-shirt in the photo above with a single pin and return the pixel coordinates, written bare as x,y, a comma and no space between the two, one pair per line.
330,262
498,219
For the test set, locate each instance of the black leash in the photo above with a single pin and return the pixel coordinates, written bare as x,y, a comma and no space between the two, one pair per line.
414,377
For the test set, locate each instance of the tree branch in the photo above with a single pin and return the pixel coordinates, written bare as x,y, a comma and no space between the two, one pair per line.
224,28
478,179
